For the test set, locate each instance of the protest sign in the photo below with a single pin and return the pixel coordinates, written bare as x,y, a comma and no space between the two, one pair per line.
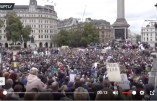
101,57
125,83
72,77
103,51
113,72
15,64
155,63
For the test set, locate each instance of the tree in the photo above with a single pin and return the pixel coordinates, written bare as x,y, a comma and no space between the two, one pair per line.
90,34
15,30
1,25
26,33
62,38
77,38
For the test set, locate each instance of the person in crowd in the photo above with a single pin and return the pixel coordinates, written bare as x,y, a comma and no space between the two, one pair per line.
55,91
81,94
44,96
34,82
31,95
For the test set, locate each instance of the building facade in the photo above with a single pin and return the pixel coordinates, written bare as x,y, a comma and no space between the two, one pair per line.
104,29
42,19
149,34
73,24
132,37
67,24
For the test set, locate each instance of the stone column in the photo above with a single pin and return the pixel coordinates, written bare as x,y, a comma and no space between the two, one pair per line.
120,9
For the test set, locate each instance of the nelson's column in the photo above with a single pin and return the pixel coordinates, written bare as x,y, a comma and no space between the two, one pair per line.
120,26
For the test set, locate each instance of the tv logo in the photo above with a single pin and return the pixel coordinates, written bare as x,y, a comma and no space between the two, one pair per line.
152,92
7,6
115,92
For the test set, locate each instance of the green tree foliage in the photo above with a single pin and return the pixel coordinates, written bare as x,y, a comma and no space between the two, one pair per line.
90,33
15,29
77,38
1,25
26,33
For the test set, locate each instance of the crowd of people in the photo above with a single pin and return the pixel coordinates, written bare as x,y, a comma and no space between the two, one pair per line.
45,75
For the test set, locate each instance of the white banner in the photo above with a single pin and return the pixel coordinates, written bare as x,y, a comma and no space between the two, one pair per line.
72,77
113,72
125,83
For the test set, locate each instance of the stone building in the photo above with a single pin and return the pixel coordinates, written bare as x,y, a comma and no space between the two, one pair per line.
42,19
104,29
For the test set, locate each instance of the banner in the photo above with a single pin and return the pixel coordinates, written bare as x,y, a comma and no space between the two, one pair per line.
125,83
72,77
113,72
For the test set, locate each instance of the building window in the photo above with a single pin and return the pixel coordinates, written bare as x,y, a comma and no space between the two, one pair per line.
147,34
4,31
150,39
45,36
32,31
47,31
4,37
34,26
0,31
39,26
147,39
39,31
39,36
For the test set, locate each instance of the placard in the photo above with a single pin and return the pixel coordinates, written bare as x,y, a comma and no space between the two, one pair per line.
101,57
113,72
72,77
155,63
103,51
125,83
15,64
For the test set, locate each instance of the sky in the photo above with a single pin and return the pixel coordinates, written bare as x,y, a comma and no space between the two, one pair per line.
136,11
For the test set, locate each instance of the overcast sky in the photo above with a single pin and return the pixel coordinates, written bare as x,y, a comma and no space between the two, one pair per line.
136,11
